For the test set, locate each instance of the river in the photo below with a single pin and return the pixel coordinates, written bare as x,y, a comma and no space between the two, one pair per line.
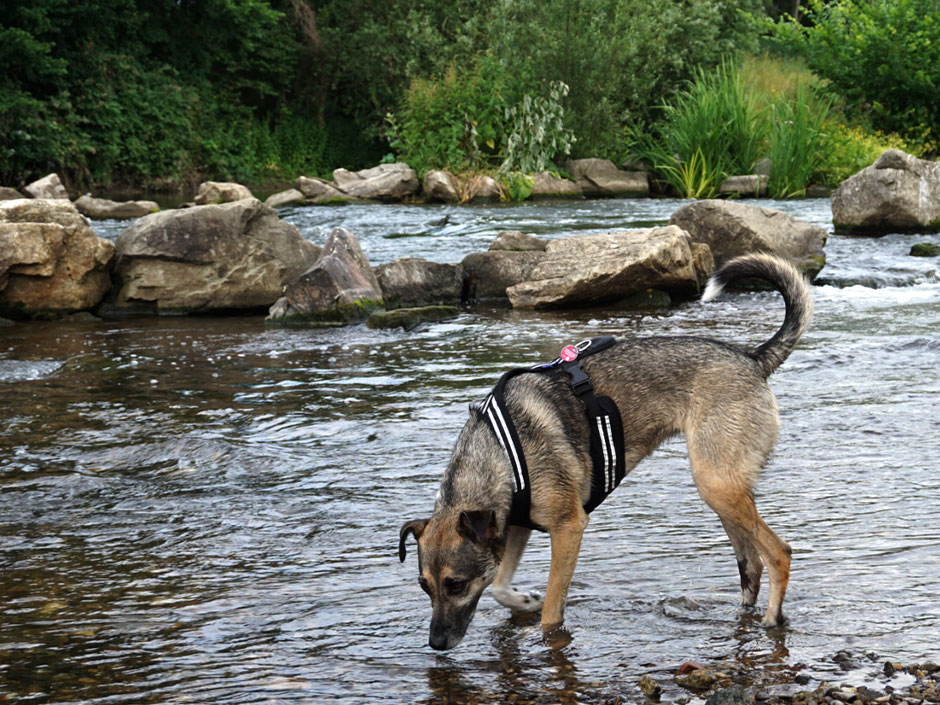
199,510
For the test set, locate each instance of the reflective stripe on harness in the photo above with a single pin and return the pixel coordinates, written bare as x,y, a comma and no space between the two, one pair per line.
604,425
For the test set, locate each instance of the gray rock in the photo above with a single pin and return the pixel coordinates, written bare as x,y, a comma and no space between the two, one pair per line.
220,192
599,177
232,256
735,695
385,182
898,193
483,188
547,185
441,186
49,187
518,242
9,194
490,274
590,269
284,198
51,261
339,288
731,228
319,190
747,185
412,281
104,209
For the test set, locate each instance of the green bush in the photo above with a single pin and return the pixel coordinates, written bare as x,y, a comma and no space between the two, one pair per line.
848,149
537,132
796,143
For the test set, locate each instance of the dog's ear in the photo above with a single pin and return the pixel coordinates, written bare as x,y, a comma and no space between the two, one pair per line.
416,527
479,525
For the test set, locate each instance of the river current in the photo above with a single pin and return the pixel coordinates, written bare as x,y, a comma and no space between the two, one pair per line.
198,510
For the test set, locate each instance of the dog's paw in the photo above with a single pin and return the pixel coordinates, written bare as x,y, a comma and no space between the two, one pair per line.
770,621
516,600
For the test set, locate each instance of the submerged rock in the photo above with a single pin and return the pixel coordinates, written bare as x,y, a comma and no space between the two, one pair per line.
233,256
51,261
103,208
925,249
898,193
731,228
408,318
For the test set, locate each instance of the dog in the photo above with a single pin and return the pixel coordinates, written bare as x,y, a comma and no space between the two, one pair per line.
714,393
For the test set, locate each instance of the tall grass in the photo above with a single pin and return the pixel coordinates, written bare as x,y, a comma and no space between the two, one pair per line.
796,141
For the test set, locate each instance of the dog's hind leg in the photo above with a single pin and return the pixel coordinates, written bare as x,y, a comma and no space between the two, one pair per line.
502,591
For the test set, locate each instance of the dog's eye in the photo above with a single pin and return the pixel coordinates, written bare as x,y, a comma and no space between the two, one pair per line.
424,585
455,587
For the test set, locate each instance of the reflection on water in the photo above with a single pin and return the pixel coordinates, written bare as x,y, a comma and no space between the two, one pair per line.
206,510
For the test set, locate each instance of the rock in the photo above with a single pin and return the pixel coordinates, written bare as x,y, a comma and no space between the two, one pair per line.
547,185
925,249
339,288
385,182
232,256
220,192
749,185
9,194
817,191
481,187
319,190
898,193
735,695
516,241
408,318
412,281
688,667
51,261
284,198
699,679
599,177
590,269
650,688
441,186
490,274
103,209
730,228
6,323
763,167
49,186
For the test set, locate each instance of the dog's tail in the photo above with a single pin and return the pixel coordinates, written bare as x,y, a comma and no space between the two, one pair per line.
786,279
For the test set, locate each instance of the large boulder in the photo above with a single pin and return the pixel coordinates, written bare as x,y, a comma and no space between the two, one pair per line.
9,194
546,185
220,192
232,256
440,186
412,281
490,274
339,288
385,182
599,177
51,261
591,269
105,209
898,193
731,228
319,190
48,187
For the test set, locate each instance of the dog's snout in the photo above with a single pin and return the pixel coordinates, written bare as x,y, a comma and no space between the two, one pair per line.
438,639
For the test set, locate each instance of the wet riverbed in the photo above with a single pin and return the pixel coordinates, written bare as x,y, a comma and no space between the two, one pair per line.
207,509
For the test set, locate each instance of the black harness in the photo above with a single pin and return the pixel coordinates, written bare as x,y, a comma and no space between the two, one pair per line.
603,420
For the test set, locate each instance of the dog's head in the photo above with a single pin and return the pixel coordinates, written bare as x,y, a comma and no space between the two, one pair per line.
458,556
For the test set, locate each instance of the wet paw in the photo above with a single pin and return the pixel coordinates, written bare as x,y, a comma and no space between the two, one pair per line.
516,600
770,621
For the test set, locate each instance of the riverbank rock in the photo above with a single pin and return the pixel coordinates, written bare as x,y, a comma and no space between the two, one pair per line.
749,185
591,269
48,187
284,198
898,193
339,288
220,192
730,228
319,190
385,182
9,194
440,186
489,274
599,177
409,318
546,185
226,257
51,261
412,281
104,209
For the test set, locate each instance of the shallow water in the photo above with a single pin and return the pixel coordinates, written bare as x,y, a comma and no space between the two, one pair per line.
207,510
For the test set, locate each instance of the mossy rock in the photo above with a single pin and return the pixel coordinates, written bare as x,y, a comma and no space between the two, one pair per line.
410,317
342,315
925,249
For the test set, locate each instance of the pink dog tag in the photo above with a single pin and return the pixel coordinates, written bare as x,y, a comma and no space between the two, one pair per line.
569,353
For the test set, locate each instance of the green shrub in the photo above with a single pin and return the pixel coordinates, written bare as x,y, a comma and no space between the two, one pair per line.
849,149
537,132
516,185
796,143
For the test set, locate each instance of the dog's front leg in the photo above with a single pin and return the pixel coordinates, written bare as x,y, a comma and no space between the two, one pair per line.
566,544
516,539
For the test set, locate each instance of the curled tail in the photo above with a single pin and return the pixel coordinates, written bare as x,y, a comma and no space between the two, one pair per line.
786,279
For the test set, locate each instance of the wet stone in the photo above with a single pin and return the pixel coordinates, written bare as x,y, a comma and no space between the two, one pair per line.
650,688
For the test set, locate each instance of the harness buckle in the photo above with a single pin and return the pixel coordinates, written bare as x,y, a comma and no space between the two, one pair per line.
580,382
